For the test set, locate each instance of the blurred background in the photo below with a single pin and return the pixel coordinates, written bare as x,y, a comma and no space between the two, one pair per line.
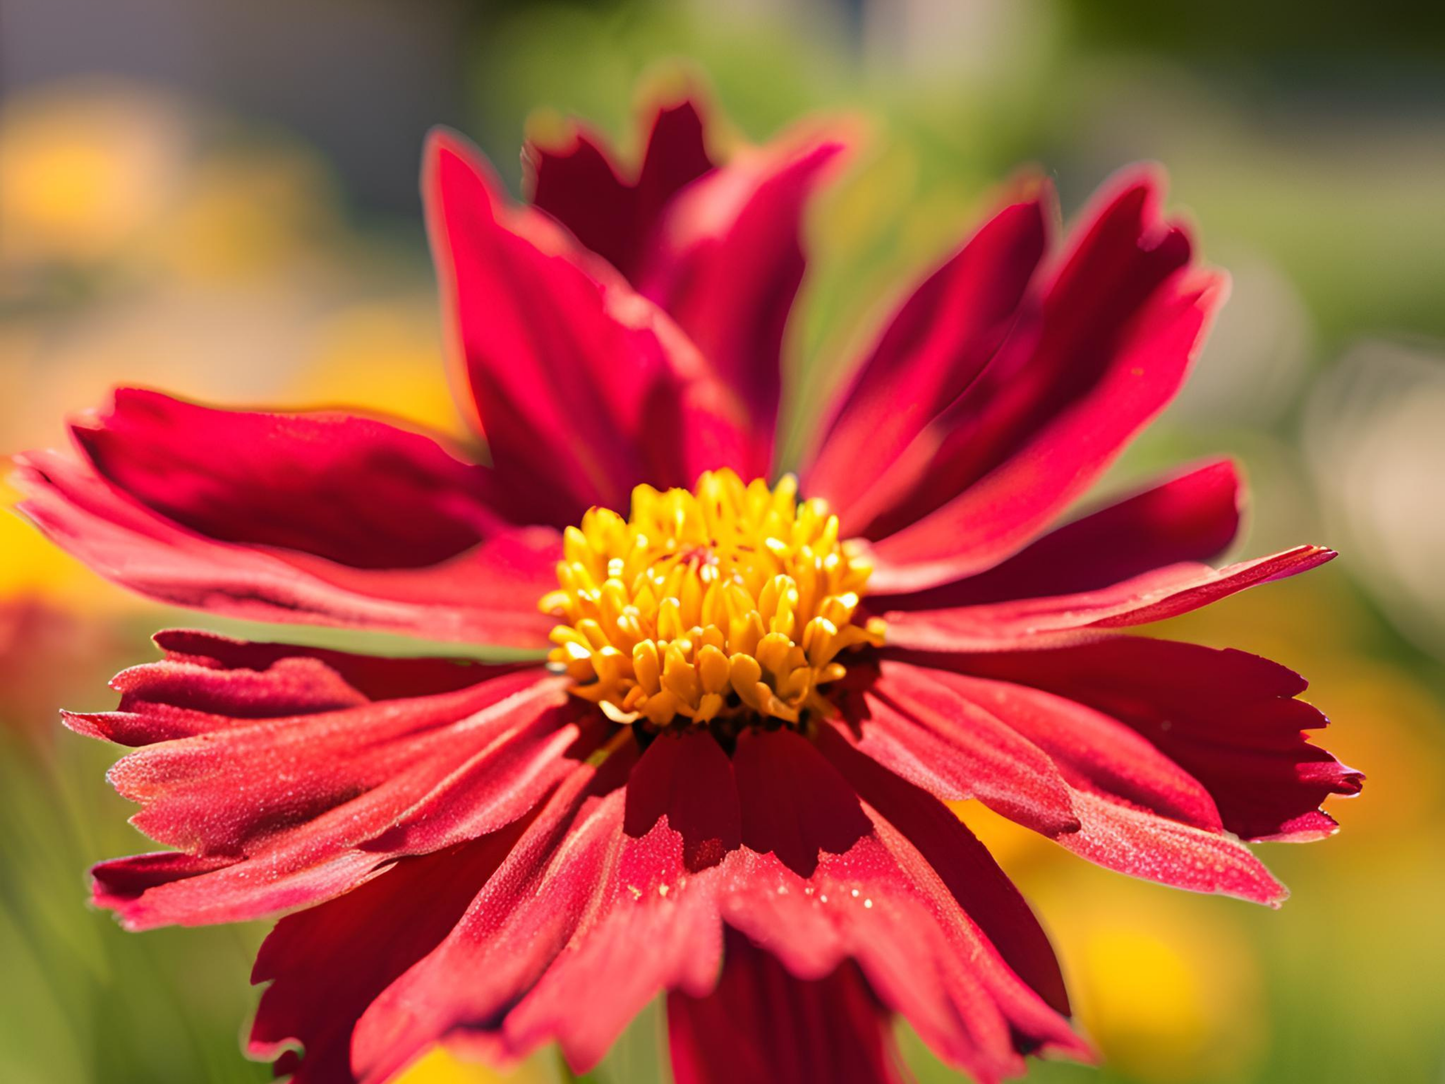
219,199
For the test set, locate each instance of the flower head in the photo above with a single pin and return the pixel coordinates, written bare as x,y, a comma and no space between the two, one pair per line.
723,773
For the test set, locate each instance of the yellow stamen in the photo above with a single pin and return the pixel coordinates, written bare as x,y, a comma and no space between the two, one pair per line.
731,600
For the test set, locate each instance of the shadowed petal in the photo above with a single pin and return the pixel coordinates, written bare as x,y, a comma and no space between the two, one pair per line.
512,932
577,182
964,864
911,722
1123,795
933,348
327,963
487,594
354,490
1228,718
1099,348
763,1026
869,894
653,922
1006,508
582,387
727,264
1192,516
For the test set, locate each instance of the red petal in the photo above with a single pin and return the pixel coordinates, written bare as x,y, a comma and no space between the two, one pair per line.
934,347
1122,793
1192,516
1053,620
577,183
652,922
727,265
763,1026
999,514
1092,750
376,677
486,595
1090,362
328,963
513,931
303,806
879,902
354,490
562,356
964,864
794,807
1228,718
925,732
208,682
1141,844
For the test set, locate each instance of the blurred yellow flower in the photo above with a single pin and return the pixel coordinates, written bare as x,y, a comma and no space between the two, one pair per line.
83,167
250,213
440,1067
32,568
1167,987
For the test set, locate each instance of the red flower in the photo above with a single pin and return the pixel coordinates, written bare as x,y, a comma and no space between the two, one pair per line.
727,782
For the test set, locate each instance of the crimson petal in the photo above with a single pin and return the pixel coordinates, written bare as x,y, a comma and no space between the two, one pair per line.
1053,620
963,863
933,348
727,265
514,929
487,594
576,181
1123,794
910,721
1191,516
331,794
1103,348
879,902
354,490
763,1026
327,963
1228,718
561,354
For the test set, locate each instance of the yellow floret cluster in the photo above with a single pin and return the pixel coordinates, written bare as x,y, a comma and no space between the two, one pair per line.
733,599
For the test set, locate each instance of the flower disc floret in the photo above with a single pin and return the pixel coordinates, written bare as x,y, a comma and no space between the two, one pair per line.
730,601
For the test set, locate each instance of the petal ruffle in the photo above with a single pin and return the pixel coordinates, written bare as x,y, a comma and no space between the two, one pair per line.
823,877
577,181
763,843
328,795
719,249
933,348
763,1026
512,932
487,594
964,864
326,964
1096,352
1060,619
353,490
1230,719
1133,809
582,387
1191,516
727,264
908,720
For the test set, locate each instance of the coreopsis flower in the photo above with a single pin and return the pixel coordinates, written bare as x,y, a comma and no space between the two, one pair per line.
725,780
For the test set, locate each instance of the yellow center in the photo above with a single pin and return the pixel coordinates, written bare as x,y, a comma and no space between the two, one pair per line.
730,601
